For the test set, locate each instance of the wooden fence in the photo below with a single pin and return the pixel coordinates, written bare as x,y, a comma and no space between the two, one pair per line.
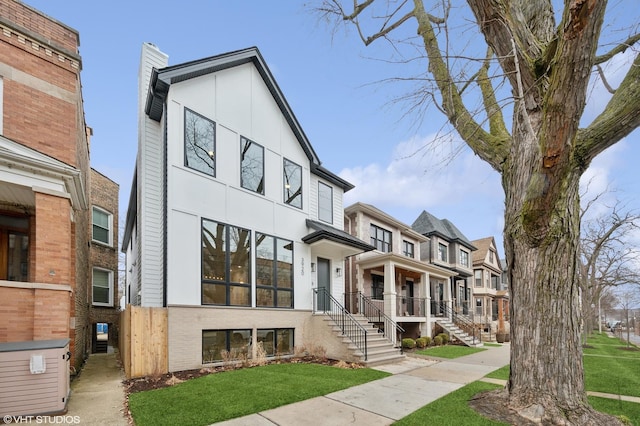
143,341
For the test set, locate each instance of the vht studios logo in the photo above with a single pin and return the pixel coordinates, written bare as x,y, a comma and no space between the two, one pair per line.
51,420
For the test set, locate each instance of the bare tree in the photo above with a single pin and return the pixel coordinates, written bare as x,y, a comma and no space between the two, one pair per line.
628,299
536,71
607,255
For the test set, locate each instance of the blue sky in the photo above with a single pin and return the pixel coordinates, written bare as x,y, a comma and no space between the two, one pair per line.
330,81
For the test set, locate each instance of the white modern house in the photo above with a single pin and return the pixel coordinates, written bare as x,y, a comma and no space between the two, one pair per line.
233,225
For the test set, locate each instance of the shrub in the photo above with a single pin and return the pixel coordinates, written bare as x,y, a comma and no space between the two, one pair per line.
437,340
445,338
408,343
422,342
427,340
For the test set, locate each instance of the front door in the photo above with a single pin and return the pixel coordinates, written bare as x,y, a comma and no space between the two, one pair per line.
324,283
409,295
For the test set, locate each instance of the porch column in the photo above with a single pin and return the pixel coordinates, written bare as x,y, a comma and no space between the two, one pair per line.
447,297
390,290
425,284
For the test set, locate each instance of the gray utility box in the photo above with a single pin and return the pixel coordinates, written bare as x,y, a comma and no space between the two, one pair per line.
34,377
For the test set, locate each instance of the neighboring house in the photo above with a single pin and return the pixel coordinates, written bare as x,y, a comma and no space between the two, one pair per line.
448,248
487,278
233,224
392,277
45,265
104,312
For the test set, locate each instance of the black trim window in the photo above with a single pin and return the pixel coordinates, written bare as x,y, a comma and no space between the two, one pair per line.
442,252
278,341
325,202
292,174
274,272
251,166
14,248
377,287
218,345
226,264
381,239
199,142
408,249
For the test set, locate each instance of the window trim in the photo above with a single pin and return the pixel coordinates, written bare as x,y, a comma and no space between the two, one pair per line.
213,155
285,183
261,185
320,184
376,281
111,286
275,340
228,341
445,252
109,229
466,253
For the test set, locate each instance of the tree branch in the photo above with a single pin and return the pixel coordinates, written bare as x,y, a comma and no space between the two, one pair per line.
621,48
620,117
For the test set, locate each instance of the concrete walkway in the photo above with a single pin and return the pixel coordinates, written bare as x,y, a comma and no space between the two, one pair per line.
414,383
97,394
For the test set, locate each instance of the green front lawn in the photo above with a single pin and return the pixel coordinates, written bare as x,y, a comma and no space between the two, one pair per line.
448,351
236,393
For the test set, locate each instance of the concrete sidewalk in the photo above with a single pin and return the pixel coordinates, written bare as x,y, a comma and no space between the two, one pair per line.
414,383
97,394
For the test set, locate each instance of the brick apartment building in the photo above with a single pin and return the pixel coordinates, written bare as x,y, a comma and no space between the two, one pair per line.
45,183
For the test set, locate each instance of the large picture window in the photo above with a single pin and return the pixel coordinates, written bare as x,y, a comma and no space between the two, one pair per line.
274,272
292,174
277,341
251,166
380,238
199,142
325,203
102,223
226,264
219,345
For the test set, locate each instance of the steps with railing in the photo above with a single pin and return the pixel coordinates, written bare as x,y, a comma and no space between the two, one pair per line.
374,314
364,339
458,325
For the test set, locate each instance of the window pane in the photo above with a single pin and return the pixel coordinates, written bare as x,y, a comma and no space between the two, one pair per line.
100,226
285,263
100,218
285,299
264,297
239,255
240,341
18,257
213,251
239,295
199,142
251,166
266,337
100,286
264,260
292,184
285,341
214,294
100,234
213,343
325,202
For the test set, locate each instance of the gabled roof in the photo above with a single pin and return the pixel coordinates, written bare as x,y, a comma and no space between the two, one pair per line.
380,215
162,79
480,255
427,225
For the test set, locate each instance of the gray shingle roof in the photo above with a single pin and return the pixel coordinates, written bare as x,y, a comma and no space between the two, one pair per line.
427,224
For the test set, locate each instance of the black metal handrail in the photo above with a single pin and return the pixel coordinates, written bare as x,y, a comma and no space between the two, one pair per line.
468,326
374,314
349,326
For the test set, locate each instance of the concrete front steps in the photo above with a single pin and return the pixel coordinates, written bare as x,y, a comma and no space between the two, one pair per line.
379,349
458,333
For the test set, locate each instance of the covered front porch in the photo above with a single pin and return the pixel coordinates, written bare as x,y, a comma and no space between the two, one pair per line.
400,287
